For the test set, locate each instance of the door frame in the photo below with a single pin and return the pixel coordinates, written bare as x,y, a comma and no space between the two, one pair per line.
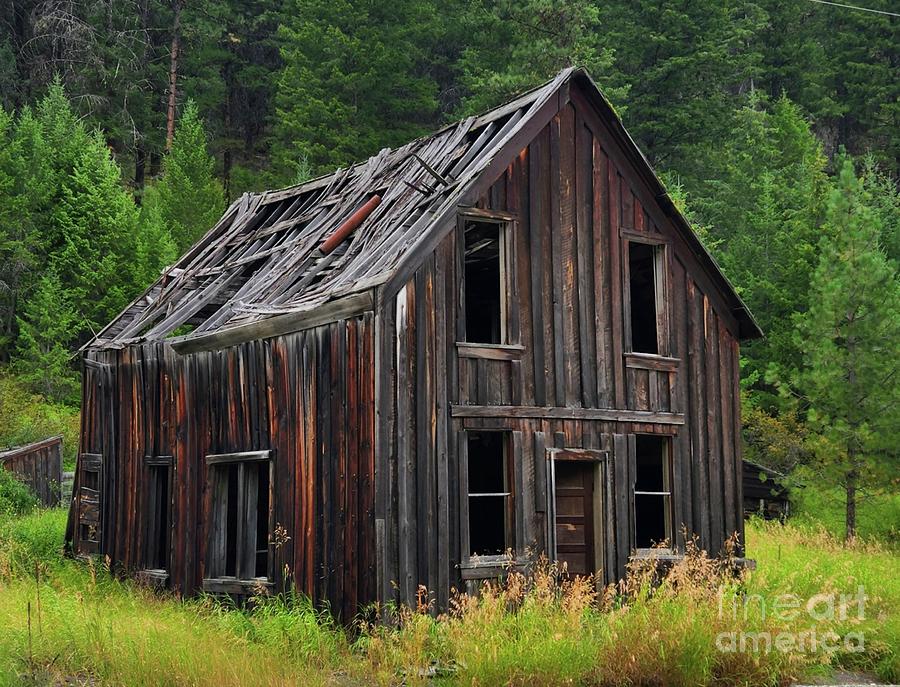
598,458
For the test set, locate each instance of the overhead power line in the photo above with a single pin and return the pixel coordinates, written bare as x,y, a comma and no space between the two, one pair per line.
856,7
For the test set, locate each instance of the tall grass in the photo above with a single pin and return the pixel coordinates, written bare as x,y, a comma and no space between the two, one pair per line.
86,626
540,628
808,560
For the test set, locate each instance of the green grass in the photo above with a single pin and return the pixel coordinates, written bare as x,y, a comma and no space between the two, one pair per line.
878,514
807,560
88,626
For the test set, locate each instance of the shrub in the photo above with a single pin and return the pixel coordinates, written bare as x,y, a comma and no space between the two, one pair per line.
15,497
27,417
33,539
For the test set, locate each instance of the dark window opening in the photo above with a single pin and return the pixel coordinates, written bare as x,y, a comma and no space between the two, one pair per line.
262,521
642,259
239,520
158,519
484,288
88,533
490,494
652,491
231,519
90,479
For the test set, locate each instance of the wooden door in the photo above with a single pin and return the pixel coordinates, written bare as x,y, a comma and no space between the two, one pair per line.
574,485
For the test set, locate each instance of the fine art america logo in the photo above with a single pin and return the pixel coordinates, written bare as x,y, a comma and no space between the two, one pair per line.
808,615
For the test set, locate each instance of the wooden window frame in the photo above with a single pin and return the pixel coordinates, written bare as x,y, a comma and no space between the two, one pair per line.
510,347
215,580
480,567
668,480
662,252
159,575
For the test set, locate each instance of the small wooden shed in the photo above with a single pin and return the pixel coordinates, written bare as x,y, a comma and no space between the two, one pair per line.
765,493
496,341
38,465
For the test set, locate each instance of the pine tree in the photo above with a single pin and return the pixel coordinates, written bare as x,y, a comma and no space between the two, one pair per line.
885,202
98,221
514,46
26,191
851,339
189,197
46,326
15,259
53,141
355,79
155,249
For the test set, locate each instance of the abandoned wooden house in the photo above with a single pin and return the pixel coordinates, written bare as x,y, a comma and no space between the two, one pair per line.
38,465
496,341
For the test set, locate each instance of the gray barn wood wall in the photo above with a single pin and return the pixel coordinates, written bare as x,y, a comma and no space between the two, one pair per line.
572,192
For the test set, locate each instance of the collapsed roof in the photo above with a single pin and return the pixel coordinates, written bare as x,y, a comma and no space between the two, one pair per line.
265,258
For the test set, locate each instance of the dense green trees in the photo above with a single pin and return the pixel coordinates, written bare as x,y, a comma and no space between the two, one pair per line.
75,248
512,46
685,64
276,79
840,65
355,78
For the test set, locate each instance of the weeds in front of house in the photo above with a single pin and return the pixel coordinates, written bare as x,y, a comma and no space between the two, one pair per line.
64,622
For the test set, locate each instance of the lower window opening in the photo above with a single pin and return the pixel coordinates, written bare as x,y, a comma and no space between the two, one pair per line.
158,558
238,544
489,494
262,521
652,492
231,519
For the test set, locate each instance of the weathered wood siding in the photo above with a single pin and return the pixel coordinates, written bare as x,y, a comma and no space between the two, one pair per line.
39,465
307,397
573,194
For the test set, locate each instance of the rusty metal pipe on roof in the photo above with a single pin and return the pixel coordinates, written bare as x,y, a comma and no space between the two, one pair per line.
349,225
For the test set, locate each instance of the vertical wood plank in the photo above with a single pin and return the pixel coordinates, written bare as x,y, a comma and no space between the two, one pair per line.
615,269
556,264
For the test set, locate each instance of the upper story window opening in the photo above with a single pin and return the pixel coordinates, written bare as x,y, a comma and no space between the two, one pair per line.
485,287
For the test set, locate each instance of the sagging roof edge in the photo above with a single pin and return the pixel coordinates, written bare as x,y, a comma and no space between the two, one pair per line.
345,307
